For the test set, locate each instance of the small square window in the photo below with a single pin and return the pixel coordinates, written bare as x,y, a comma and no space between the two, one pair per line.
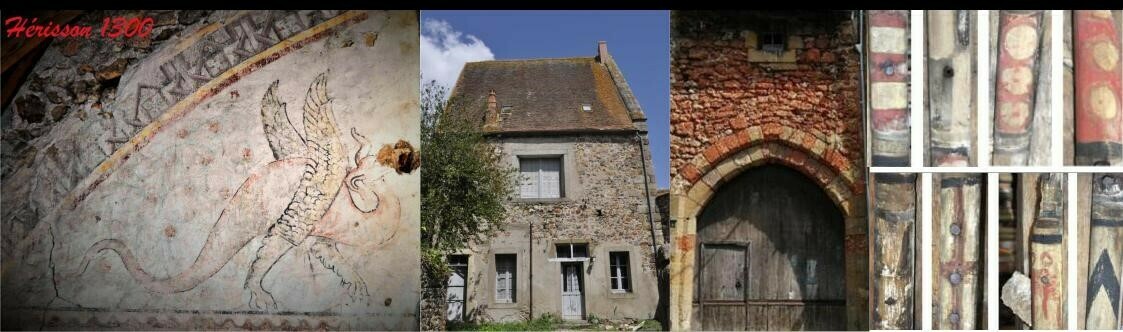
572,250
587,107
772,42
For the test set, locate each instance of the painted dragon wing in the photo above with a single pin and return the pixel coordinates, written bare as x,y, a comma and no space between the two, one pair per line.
323,175
283,137
320,130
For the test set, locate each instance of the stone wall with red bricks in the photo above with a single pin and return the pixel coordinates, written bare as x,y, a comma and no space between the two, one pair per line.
728,93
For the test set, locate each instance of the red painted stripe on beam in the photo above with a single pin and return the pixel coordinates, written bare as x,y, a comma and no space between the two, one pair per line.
889,18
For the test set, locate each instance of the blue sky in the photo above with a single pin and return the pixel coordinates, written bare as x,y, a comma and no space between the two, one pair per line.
638,41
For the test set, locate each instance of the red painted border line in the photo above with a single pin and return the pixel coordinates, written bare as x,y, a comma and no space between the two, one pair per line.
192,101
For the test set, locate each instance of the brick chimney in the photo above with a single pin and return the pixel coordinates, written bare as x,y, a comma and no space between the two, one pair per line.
491,119
602,52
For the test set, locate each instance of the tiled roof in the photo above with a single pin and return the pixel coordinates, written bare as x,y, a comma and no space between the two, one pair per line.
543,95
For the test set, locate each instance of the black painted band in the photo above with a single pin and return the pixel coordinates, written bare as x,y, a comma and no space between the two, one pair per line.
895,178
1107,223
890,161
959,181
1097,153
1046,239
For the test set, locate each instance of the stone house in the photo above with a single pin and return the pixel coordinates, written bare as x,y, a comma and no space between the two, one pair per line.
584,227
768,189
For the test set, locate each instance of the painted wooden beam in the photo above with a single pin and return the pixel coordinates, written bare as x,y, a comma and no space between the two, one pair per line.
894,251
951,91
1047,255
1105,253
956,233
888,73
1097,76
1019,47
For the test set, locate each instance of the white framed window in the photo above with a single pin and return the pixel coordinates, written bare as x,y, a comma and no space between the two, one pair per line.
457,287
541,177
505,282
618,273
572,250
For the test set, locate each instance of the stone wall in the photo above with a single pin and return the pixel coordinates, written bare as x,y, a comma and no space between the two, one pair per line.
756,88
719,90
604,206
605,197
147,206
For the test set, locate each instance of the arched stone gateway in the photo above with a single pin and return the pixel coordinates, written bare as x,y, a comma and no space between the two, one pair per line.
727,209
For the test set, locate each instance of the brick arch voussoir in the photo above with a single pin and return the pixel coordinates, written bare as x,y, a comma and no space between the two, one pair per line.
752,147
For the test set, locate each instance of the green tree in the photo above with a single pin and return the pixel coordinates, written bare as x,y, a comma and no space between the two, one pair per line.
463,190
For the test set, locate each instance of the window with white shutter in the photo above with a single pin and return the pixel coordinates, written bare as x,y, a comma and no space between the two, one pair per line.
618,273
529,169
505,278
541,177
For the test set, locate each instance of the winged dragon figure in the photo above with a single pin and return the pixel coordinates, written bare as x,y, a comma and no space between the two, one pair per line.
311,172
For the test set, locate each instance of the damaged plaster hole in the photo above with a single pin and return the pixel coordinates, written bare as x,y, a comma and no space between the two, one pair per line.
369,38
401,156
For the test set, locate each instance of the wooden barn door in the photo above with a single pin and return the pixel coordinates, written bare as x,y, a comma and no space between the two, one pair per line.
770,255
724,284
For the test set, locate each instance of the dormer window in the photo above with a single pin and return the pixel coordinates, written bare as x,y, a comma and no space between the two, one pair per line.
587,107
772,42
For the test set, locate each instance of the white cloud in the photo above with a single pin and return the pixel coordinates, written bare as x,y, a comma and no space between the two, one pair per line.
445,50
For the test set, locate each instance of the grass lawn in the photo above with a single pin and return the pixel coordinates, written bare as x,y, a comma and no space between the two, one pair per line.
543,323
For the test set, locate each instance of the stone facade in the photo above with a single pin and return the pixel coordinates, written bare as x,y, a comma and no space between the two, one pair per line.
153,204
755,88
604,206
607,198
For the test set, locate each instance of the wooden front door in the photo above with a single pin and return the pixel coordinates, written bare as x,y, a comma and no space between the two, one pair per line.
573,300
770,255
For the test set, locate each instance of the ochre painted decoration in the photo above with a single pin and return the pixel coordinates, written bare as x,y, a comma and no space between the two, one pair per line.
1019,45
266,180
1098,90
